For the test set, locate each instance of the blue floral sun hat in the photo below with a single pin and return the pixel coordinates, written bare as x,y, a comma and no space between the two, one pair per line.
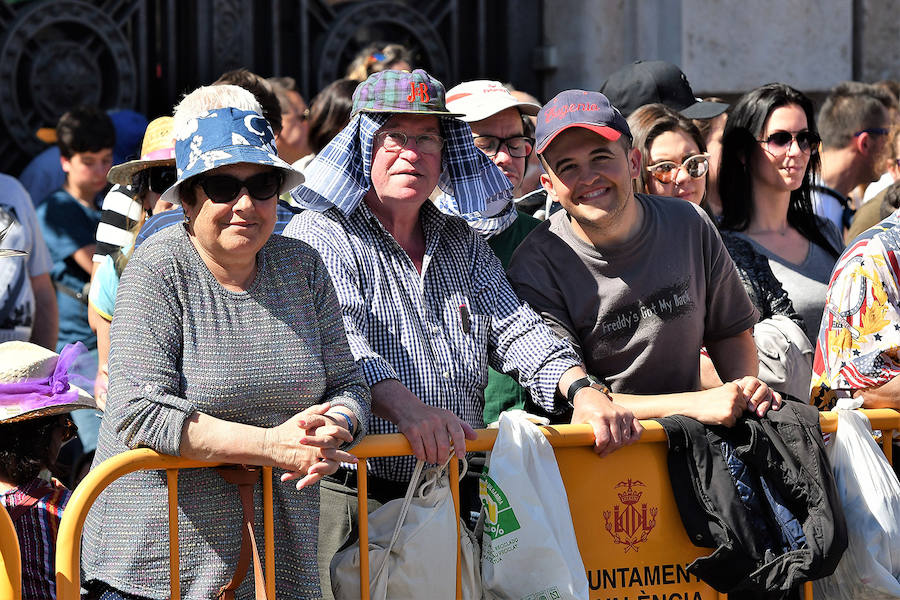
227,136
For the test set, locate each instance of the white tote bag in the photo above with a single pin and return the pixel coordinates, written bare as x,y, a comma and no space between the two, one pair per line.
412,547
870,494
528,545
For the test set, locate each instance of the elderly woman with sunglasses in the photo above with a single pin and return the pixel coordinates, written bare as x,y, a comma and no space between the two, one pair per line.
769,158
227,346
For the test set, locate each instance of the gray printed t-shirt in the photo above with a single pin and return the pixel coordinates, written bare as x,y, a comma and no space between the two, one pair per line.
638,313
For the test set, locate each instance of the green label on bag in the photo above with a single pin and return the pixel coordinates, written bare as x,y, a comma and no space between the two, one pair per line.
499,516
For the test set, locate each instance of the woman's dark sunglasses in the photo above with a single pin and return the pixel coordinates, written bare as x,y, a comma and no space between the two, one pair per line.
162,178
779,142
156,179
222,189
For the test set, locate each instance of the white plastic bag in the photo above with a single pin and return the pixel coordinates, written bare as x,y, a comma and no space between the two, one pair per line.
870,494
529,549
412,547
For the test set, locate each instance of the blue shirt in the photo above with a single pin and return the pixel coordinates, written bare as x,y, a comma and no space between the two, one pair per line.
284,213
68,226
436,332
43,175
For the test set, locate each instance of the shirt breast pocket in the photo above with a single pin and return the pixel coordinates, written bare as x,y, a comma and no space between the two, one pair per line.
476,341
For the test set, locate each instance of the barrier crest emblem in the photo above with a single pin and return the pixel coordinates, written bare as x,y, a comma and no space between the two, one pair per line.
630,522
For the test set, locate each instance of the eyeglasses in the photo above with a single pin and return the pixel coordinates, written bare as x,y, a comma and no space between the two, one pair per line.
872,131
517,146
666,171
395,141
779,142
222,189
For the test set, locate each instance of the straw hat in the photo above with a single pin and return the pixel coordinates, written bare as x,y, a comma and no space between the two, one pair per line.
157,149
34,384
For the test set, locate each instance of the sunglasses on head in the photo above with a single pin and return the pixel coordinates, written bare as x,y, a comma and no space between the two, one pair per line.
222,189
779,142
666,171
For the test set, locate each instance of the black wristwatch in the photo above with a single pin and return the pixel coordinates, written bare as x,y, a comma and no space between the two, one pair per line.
587,381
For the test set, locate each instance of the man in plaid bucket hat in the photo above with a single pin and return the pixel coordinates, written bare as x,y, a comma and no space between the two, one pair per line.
426,303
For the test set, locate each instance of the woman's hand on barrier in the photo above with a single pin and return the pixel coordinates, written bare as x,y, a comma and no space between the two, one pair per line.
614,425
307,445
760,397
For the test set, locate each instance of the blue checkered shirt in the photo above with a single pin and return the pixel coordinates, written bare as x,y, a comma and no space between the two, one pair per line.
409,326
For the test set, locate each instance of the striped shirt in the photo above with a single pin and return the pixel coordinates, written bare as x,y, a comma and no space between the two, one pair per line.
122,210
436,332
36,529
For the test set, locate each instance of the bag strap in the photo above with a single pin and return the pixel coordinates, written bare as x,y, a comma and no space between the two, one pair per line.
245,479
407,501
404,509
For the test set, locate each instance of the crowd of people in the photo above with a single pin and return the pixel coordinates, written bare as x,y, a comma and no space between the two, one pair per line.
266,283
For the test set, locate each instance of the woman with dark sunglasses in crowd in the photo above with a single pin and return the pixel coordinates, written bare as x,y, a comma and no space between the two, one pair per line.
769,158
135,195
674,163
227,346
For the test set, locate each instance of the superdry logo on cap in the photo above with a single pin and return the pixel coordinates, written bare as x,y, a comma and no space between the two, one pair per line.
579,108
558,112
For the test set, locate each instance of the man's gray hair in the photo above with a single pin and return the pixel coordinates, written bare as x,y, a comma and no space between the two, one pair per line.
207,98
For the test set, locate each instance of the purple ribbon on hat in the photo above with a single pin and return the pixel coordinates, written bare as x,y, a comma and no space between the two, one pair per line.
54,390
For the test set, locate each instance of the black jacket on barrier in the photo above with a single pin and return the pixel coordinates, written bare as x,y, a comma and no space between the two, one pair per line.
763,495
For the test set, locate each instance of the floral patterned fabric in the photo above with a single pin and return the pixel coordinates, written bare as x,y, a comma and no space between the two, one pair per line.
859,337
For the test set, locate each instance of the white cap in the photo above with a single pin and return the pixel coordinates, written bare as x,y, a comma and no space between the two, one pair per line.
482,98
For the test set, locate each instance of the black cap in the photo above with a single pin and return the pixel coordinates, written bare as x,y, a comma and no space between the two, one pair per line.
648,82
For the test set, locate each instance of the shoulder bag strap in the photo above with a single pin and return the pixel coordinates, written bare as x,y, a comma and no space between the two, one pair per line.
404,509
245,479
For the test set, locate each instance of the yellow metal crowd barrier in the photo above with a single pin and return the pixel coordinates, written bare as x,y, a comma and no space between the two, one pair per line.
68,545
11,575
626,522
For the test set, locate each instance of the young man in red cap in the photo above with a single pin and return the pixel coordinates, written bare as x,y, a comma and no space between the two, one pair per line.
608,274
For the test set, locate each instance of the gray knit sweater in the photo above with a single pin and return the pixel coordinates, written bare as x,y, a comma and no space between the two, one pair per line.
183,343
